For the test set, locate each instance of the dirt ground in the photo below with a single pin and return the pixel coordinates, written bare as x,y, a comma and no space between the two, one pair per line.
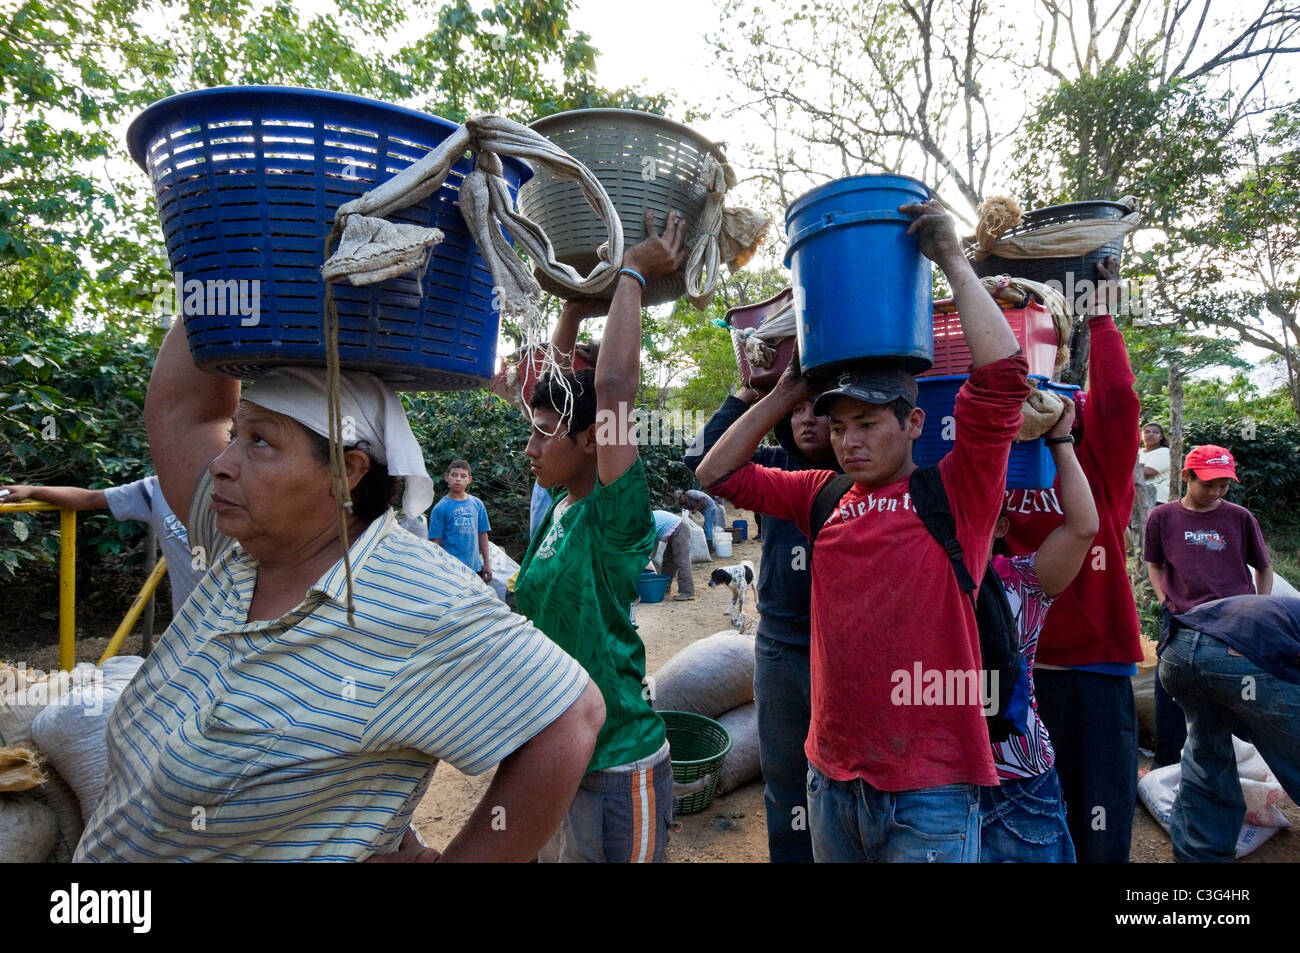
732,829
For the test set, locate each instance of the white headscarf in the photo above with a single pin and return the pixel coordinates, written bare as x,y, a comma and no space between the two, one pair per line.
376,416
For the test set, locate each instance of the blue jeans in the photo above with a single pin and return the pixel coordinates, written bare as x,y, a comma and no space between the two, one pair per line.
1171,721
782,698
852,822
1224,695
1093,723
1022,821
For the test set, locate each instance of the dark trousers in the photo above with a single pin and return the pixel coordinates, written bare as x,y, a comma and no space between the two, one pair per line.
1093,723
677,559
782,695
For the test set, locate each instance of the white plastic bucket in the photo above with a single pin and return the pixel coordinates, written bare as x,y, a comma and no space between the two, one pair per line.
722,545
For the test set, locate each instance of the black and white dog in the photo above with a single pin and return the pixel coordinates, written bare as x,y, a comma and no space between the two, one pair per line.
738,579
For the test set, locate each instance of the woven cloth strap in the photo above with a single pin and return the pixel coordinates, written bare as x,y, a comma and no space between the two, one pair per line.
371,250
727,235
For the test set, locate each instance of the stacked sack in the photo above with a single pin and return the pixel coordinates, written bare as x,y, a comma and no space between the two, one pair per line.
714,677
53,755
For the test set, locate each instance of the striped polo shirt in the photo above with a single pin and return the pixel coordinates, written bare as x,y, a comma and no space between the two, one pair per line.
302,738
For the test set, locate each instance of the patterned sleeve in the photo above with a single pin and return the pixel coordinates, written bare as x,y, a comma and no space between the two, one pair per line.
206,541
479,685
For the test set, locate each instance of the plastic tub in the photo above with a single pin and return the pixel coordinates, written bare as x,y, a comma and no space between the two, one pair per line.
1030,465
862,286
740,528
248,179
651,586
749,316
722,545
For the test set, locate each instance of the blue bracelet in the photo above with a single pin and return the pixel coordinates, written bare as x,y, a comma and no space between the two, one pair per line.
636,275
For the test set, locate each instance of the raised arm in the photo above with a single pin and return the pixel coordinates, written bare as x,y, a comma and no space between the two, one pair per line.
565,336
987,333
187,414
1065,549
1110,438
64,497
618,364
736,445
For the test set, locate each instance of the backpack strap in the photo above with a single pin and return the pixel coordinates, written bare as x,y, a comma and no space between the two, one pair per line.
930,500
824,503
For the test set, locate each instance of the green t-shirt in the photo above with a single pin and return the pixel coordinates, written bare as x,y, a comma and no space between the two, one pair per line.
576,583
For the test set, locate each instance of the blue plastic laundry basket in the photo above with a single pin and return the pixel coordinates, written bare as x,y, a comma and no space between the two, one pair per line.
1030,466
248,179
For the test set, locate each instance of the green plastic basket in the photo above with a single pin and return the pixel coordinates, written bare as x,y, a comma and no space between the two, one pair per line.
643,161
697,746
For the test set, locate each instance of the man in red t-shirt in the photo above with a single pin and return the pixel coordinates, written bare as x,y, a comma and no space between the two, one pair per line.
897,745
1091,641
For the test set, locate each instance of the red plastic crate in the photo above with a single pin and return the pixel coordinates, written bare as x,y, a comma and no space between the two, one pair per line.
1033,327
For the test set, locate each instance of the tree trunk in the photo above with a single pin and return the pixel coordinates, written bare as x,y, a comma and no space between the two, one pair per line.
1175,432
1138,518
1076,369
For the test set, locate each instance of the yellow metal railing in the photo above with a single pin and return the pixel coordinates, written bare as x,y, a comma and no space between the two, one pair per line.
67,576
68,586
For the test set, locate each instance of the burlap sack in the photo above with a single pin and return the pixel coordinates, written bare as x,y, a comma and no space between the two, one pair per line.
28,830
707,677
741,763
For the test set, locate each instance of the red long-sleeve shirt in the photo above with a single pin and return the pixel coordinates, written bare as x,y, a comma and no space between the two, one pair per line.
1094,620
889,622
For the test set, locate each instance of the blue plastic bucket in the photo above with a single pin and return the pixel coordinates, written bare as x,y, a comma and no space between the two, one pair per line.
1030,465
862,286
651,586
741,529
248,179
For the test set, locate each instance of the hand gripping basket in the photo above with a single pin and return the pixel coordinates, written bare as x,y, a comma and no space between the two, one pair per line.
248,180
643,161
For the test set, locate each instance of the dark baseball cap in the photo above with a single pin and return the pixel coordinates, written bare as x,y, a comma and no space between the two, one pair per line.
873,383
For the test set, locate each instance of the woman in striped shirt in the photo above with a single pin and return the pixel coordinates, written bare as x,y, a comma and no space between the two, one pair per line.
297,705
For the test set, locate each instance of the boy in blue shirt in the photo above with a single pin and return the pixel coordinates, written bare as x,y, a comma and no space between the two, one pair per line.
459,522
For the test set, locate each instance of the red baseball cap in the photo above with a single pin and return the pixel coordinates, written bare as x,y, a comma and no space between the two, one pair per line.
1210,463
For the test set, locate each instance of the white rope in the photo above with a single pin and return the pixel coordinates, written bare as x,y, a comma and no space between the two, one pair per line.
373,249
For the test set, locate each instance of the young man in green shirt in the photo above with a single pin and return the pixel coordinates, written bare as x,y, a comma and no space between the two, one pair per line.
579,574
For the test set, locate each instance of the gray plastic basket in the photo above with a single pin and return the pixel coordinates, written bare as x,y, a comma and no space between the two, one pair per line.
643,161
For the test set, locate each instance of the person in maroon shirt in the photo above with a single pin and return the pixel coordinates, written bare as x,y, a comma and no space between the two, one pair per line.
897,744
1200,548
1091,641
